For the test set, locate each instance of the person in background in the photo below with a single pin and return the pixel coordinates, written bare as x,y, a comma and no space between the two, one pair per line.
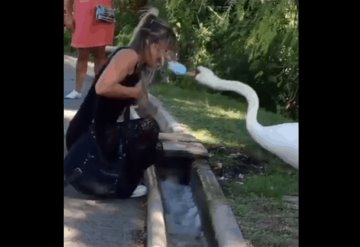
89,35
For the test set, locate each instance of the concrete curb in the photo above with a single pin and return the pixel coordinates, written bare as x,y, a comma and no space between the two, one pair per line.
155,226
110,49
219,223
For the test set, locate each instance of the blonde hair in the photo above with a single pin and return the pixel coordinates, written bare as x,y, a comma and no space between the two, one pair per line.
150,29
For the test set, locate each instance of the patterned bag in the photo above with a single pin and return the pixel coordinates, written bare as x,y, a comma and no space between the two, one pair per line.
136,147
105,14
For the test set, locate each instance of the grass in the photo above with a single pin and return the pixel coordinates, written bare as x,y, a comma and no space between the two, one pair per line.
218,121
266,221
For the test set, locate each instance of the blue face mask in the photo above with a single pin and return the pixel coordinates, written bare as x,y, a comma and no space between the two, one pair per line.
177,68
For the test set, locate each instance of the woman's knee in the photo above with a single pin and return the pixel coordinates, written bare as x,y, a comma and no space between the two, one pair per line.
83,54
99,53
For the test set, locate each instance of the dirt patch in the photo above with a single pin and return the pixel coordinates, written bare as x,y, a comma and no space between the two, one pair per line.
232,163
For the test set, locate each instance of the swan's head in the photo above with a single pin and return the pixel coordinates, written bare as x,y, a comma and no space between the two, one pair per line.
206,77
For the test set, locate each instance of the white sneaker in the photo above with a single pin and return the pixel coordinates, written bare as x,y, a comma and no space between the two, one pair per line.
73,95
140,190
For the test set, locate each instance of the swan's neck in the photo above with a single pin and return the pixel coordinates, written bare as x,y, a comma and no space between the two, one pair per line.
247,92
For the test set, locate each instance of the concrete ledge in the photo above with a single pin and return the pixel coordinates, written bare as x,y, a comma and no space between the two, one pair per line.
178,144
219,223
110,49
156,230
175,137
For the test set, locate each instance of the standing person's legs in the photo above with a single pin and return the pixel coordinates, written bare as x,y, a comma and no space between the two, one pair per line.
99,57
81,69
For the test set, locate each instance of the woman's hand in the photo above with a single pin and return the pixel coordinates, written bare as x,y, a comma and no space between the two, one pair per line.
139,93
69,22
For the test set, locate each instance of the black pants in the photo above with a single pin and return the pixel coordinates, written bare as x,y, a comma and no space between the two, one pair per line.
118,174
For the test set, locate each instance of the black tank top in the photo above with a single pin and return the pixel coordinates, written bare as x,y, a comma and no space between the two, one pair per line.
104,112
108,110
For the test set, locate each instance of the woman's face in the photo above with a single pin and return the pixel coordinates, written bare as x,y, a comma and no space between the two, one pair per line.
159,53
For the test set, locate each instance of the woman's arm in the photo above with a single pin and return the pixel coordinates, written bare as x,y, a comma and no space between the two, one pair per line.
68,18
69,6
121,65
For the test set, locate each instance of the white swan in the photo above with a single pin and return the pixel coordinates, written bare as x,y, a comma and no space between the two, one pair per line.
281,140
